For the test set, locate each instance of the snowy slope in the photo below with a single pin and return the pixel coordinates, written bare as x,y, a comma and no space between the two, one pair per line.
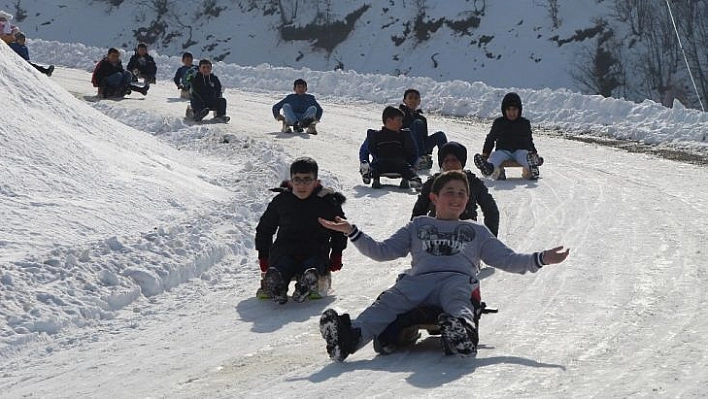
495,43
138,280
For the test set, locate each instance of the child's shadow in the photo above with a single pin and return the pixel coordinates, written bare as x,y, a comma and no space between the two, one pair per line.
361,190
177,100
268,316
510,183
282,135
427,366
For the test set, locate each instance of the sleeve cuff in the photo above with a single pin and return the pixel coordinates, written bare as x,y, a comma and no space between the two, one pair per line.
354,234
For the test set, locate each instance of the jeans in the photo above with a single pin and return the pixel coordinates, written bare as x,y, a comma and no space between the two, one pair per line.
291,117
425,143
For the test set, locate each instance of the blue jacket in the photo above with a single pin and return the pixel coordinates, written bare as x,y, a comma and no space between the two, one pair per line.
181,71
300,103
20,49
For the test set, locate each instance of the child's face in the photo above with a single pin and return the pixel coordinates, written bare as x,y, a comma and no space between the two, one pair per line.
300,89
303,184
205,69
412,100
451,201
142,51
187,61
113,57
511,113
450,162
394,123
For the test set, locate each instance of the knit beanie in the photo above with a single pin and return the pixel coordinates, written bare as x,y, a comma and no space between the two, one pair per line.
454,148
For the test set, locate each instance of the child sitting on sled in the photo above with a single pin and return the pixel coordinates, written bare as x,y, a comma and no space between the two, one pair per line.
303,248
446,254
511,134
392,152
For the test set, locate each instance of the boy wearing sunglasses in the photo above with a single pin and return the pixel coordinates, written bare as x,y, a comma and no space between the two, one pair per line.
303,248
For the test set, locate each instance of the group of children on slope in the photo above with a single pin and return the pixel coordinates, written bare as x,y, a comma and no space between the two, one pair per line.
446,248
16,39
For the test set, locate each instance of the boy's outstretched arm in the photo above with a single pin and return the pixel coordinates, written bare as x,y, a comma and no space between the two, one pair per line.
555,255
339,224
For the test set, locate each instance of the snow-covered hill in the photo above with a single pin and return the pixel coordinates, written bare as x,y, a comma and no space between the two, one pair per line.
524,45
127,266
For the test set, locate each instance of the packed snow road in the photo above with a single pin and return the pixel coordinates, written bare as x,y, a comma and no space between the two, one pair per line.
623,316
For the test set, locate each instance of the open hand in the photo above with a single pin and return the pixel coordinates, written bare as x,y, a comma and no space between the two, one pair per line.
555,255
339,224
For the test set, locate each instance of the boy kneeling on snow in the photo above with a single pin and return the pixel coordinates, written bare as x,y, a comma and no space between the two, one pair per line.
446,256
303,247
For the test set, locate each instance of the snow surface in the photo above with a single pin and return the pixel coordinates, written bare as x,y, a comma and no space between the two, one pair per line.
128,270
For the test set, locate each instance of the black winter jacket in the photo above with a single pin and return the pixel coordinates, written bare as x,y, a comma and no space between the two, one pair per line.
206,88
509,135
389,144
145,64
104,69
478,195
411,115
299,231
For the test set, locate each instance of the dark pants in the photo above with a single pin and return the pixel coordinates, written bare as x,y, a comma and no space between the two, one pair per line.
40,68
392,165
214,104
290,266
425,143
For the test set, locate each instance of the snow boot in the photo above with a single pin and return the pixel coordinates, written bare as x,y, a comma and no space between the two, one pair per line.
404,184
198,116
311,129
416,184
222,118
276,287
425,162
50,70
376,183
534,162
141,89
298,128
342,340
306,285
457,335
485,167
285,128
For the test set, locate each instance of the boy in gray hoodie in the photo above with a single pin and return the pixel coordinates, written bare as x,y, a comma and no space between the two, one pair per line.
446,256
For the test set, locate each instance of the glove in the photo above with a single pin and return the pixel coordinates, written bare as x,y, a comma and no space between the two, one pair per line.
263,263
364,168
335,262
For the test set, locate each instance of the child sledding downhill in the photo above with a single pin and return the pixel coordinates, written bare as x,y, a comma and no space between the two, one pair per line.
301,111
142,65
417,123
112,80
511,133
185,74
303,249
446,256
206,95
392,152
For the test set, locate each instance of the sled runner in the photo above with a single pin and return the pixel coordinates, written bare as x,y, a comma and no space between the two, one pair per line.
525,173
189,117
324,283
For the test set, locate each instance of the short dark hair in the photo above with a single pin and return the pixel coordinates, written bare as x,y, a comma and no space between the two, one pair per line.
187,54
304,165
142,45
299,82
390,113
204,61
113,50
446,177
409,91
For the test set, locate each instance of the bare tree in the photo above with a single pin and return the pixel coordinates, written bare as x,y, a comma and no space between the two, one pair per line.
600,69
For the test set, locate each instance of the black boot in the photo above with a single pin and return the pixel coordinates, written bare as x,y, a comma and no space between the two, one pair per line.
458,336
342,340
276,286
